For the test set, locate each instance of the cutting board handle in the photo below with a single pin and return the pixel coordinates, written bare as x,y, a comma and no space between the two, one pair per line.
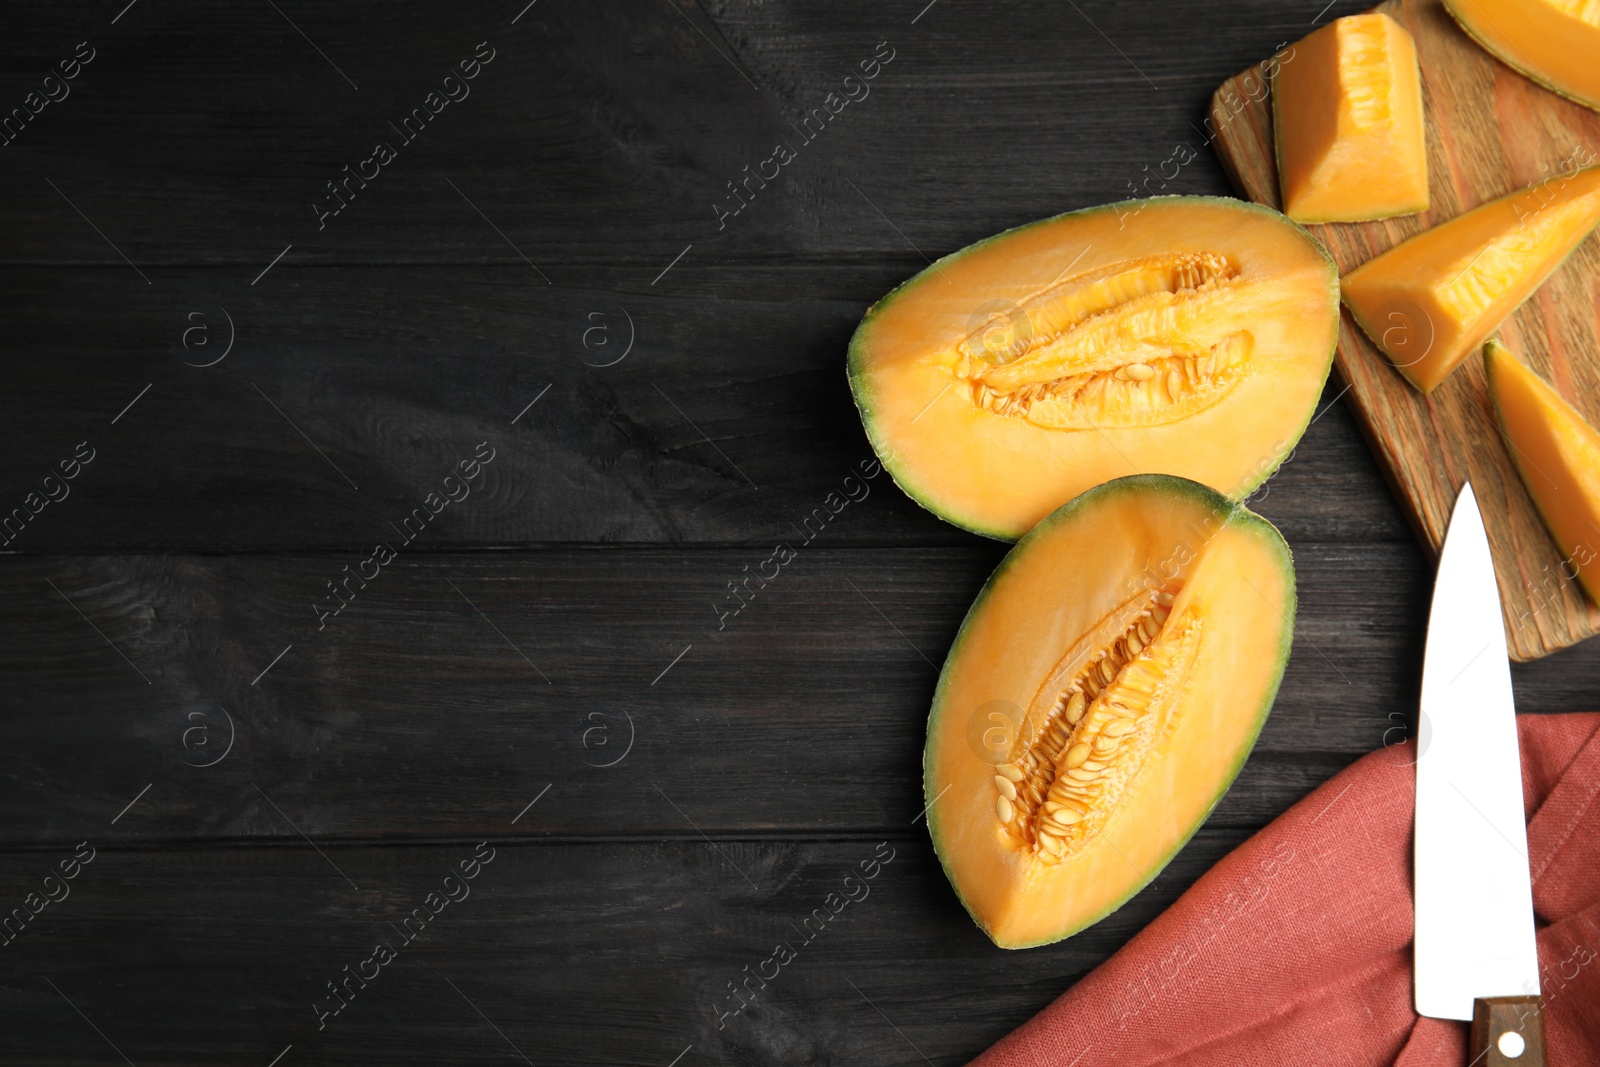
1507,1032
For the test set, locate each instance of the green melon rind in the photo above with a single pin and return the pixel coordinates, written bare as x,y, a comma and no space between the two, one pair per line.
1237,514
857,354
1537,77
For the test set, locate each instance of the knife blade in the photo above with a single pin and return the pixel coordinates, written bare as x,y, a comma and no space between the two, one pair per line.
1475,954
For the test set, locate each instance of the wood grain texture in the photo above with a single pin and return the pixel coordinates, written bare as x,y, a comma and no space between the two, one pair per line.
598,953
414,715
599,138
1494,1017
1490,132
809,706
728,421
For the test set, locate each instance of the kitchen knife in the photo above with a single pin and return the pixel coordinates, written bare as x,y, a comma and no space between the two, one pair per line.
1475,955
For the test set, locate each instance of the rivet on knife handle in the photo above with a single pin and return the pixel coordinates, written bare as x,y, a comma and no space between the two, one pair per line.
1507,1032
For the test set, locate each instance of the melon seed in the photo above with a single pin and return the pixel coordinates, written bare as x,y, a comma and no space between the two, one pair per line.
1011,771
1068,817
1077,754
1003,806
1174,382
1139,372
1149,627
1080,775
1075,707
1007,790
1118,727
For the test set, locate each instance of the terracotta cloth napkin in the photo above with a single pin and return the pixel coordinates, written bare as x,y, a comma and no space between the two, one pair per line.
1296,948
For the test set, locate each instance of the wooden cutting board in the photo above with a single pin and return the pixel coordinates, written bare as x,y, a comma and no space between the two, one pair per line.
1490,131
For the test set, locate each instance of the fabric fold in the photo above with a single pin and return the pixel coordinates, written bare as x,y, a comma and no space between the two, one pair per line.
1296,947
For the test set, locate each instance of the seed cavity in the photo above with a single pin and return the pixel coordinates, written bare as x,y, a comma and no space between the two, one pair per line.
1111,710
1137,343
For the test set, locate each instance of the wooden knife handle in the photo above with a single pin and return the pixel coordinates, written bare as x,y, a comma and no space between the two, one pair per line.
1507,1032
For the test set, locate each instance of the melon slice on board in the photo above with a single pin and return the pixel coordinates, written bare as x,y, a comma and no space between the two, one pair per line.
1557,453
1432,300
1347,122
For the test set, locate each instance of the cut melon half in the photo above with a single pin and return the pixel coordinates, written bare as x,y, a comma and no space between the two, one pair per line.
1557,453
1347,123
1430,301
1102,694
1554,42
1179,335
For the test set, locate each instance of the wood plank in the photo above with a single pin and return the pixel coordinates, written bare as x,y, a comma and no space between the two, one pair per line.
600,137
1490,131
573,954
726,422
412,715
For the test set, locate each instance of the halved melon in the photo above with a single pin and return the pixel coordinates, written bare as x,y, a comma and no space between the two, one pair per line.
1430,301
1100,698
1180,335
1347,123
1554,42
1557,453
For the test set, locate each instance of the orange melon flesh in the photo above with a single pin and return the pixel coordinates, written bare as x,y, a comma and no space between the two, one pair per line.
1181,335
1554,42
1430,301
1347,121
1557,453
1187,600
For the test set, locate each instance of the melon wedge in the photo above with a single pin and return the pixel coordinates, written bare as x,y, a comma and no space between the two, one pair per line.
1430,301
1347,123
1554,42
1101,696
1557,453
1180,335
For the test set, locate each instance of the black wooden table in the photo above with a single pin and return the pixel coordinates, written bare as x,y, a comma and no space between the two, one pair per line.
394,391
